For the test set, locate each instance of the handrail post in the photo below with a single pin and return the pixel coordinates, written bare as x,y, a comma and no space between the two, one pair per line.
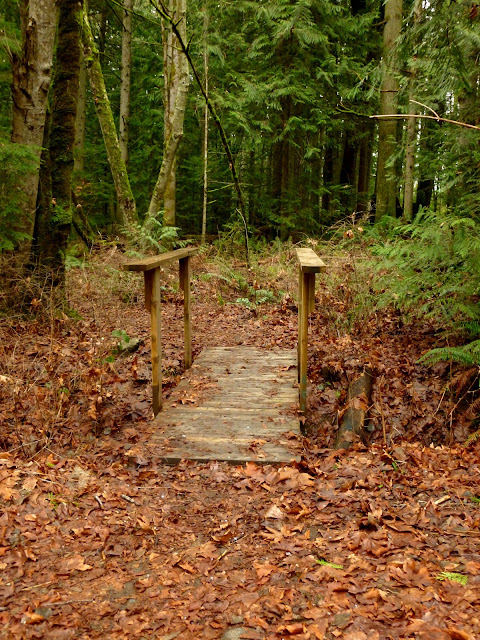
156,339
309,265
185,272
303,296
151,272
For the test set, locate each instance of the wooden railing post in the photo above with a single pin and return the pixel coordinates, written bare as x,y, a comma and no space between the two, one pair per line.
151,272
185,283
156,339
309,265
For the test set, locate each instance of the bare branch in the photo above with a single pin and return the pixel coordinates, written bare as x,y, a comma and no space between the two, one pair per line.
425,117
426,107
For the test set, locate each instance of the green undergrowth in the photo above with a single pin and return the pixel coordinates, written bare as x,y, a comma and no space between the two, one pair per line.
267,278
427,269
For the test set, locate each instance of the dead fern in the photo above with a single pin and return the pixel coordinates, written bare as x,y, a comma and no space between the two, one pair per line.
462,381
472,438
474,409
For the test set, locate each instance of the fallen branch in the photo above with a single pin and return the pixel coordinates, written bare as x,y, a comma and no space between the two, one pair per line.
353,420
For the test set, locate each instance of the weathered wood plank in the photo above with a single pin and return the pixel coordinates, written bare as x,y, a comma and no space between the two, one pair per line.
148,281
156,340
247,405
309,261
304,296
159,261
185,280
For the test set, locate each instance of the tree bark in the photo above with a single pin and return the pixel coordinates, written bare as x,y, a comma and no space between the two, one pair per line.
353,420
318,176
126,78
177,80
386,189
410,132
81,121
205,128
31,76
365,170
54,228
409,160
126,203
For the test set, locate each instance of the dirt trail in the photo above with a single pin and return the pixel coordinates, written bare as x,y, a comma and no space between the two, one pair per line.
99,539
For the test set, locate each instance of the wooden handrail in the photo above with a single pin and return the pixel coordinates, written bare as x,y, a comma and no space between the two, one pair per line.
151,273
159,261
309,265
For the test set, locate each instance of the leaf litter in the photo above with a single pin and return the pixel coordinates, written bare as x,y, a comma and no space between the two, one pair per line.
99,539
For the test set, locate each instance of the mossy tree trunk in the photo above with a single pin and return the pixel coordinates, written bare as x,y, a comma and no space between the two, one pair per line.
126,77
81,121
31,75
127,212
177,80
56,210
386,188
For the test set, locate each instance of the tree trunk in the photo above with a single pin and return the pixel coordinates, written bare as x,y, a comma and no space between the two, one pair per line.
177,80
350,173
386,189
410,132
81,121
319,173
54,230
205,128
337,160
409,160
126,203
125,80
31,76
365,170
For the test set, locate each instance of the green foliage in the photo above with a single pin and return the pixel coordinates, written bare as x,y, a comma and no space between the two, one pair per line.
326,563
16,162
454,577
154,236
258,297
430,267
468,354
125,344
72,262
245,302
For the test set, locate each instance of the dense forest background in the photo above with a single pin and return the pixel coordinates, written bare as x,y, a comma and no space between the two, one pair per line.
159,121
294,85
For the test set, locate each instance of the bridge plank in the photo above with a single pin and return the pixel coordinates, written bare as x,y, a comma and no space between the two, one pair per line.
236,404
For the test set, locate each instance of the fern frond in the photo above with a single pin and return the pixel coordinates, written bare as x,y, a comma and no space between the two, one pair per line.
461,355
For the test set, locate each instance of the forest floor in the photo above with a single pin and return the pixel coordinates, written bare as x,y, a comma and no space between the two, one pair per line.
100,539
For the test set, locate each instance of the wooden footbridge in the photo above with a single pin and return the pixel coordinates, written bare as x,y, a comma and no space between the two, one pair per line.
236,404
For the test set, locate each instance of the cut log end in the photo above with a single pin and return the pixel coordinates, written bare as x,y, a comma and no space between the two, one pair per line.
352,425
